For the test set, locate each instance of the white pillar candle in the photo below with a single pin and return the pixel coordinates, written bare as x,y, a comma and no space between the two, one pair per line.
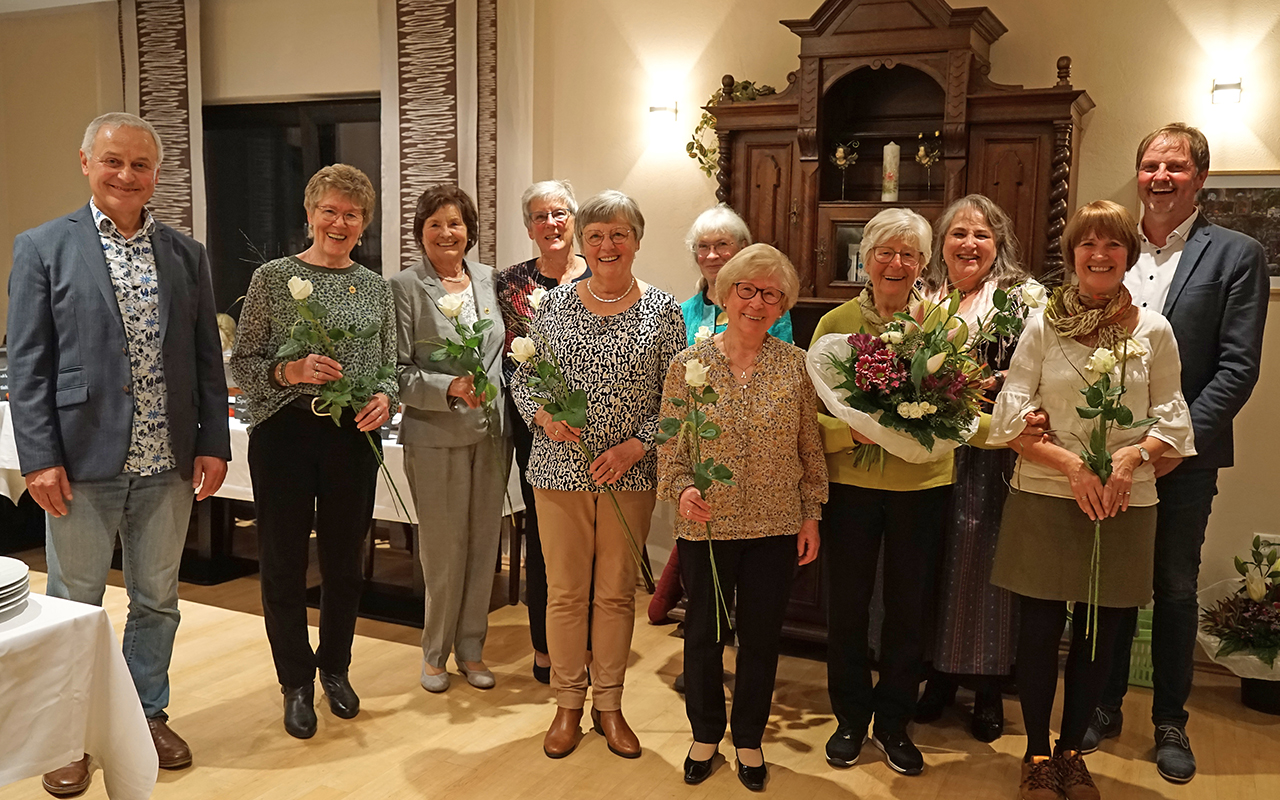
889,191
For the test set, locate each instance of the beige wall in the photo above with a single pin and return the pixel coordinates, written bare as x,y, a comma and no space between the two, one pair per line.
58,70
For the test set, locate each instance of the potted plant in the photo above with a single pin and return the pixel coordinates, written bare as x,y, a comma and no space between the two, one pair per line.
1240,626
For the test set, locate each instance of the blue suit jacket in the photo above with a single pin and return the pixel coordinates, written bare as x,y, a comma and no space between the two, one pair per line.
70,384
1217,306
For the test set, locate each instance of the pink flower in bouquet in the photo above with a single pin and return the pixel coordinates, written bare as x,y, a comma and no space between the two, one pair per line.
946,383
864,343
879,371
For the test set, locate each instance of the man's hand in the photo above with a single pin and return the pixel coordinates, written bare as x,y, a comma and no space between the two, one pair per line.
207,475
1166,464
51,490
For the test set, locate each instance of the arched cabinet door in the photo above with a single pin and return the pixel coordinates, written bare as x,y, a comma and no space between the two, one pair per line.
765,164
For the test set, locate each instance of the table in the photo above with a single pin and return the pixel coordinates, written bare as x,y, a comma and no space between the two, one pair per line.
67,691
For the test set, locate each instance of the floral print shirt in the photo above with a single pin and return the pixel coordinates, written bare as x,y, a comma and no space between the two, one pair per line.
769,438
132,265
620,362
514,285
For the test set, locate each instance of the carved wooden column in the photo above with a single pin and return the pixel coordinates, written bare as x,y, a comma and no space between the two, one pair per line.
1059,190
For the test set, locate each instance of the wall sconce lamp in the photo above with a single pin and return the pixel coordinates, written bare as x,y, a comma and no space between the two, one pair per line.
674,109
1226,91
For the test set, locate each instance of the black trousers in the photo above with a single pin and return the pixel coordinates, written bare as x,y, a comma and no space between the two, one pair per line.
855,524
1186,498
535,567
305,469
760,572
1040,630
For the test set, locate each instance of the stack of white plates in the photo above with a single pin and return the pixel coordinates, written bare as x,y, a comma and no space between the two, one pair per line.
14,586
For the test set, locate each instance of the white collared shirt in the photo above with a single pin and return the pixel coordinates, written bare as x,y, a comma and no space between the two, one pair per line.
1151,277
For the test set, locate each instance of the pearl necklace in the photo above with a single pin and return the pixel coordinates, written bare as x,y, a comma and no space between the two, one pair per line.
616,299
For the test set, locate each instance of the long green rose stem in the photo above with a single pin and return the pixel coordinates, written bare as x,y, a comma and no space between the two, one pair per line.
720,604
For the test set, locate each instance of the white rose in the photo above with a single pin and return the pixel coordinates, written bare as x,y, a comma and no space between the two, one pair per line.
1033,295
704,333
1102,361
451,305
904,410
928,408
695,373
1256,586
891,337
935,362
299,288
1130,348
535,297
523,349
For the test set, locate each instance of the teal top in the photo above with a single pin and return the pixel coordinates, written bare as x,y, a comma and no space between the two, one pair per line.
699,311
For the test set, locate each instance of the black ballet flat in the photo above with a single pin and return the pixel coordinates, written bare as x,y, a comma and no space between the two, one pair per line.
753,777
542,674
696,772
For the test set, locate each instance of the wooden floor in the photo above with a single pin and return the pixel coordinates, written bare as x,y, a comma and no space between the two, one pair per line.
467,744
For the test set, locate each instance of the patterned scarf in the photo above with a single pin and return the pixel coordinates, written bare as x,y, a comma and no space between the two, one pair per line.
872,322
1071,318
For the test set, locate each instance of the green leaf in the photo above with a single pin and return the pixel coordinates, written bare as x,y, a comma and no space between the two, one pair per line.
1142,423
1241,568
482,325
1123,416
919,366
473,342
701,476
661,437
1000,299
709,396
545,369
721,473
366,332
337,334
709,431
1088,413
385,371
953,304
677,402
305,312
1094,395
335,411
545,402
669,425
317,309
439,355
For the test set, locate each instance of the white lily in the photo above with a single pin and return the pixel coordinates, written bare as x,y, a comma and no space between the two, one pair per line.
1256,586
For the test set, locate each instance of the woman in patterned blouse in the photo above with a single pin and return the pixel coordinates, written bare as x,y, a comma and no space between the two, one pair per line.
768,412
304,467
614,337
549,215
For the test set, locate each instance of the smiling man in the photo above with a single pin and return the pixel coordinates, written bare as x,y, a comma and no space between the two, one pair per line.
1211,283
118,402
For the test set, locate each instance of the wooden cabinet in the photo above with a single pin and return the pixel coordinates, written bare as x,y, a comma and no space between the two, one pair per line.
911,72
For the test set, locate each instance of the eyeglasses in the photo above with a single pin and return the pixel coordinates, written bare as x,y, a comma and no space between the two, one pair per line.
722,248
595,238
559,215
118,165
770,296
884,255
330,215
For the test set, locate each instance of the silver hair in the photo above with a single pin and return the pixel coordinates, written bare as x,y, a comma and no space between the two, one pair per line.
548,190
606,207
1005,270
717,219
120,119
897,223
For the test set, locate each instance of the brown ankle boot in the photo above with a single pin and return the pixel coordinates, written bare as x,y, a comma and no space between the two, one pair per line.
68,781
1077,783
617,733
1040,779
564,734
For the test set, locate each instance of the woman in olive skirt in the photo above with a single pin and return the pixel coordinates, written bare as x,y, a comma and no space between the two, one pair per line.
1046,542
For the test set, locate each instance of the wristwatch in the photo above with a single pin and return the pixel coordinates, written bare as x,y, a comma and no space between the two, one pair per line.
1145,455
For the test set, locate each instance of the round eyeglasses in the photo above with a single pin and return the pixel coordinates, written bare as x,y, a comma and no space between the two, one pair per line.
883,255
595,238
770,296
559,215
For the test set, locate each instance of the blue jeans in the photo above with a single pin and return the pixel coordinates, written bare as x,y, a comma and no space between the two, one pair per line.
151,515
1186,498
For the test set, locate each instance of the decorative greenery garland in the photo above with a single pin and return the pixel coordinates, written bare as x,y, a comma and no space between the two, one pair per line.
707,155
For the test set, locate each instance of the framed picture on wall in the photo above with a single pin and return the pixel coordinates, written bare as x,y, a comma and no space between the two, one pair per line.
1248,202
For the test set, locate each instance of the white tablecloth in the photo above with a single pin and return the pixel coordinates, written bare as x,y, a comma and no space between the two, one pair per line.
65,691
11,483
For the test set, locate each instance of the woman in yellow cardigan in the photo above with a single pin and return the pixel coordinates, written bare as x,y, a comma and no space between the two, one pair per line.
902,505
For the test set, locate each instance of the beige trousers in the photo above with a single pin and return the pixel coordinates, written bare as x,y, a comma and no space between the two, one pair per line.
583,542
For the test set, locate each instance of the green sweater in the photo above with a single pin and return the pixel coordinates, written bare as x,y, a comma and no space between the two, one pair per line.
838,443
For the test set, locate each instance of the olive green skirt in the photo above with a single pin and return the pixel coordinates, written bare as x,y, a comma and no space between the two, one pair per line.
1046,545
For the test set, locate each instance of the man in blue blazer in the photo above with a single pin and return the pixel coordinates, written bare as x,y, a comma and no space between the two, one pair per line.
1212,285
119,402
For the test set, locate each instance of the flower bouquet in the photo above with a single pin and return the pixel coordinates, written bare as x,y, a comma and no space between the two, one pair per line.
308,334
565,404
692,430
914,389
469,354
1240,625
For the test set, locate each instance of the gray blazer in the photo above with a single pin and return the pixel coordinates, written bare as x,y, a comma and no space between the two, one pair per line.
428,419
70,382
1217,306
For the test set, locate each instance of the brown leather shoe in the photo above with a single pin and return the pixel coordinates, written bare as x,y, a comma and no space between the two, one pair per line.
1040,780
617,733
68,781
171,749
1077,783
564,734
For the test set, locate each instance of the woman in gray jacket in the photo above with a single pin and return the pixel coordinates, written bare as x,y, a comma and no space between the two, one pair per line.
457,451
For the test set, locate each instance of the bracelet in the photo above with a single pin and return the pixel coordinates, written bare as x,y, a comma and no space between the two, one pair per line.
280,376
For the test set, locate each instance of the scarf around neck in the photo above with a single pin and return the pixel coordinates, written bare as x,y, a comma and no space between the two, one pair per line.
1071,318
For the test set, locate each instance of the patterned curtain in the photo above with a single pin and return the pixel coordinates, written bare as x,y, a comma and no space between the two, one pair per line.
160,60
439,114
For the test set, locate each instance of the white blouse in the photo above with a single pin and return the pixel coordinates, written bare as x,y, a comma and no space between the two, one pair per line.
1048,371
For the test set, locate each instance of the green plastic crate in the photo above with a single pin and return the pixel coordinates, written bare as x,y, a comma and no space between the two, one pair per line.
1140,669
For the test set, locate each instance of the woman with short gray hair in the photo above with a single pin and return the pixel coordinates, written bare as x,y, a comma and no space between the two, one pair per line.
613,337
550,211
